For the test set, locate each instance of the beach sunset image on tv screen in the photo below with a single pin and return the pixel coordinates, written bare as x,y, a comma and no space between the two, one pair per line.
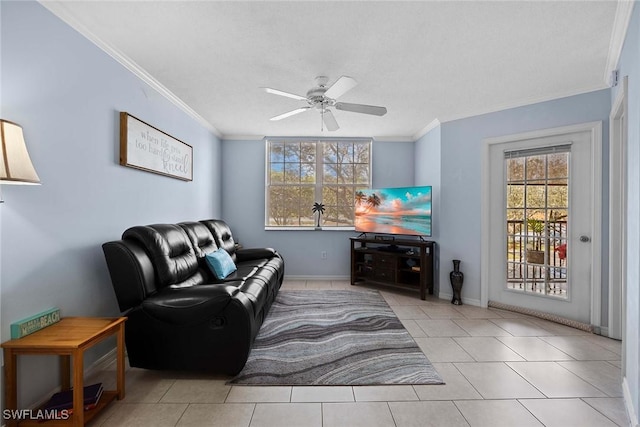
402,210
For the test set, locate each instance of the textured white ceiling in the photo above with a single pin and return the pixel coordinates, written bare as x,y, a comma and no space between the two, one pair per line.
422,60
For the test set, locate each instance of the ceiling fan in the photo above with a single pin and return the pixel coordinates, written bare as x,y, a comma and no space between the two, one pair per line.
322,98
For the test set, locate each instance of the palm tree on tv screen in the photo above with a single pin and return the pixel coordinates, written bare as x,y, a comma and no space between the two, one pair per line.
374,201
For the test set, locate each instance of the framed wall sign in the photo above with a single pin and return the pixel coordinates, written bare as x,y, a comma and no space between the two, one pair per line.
144,147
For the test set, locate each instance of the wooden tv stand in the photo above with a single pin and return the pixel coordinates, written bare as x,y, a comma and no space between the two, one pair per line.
401,263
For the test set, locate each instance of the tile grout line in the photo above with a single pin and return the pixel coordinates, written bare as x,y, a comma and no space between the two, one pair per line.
467,380
597,410
253,413
391,413
182,413
528,382
586,380
527,409
461,413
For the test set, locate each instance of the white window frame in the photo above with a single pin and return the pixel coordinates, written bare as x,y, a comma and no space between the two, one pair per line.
319,184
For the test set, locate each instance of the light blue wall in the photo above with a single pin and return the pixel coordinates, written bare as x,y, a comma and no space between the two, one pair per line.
461,154
66,93
629,65
243,204
428,172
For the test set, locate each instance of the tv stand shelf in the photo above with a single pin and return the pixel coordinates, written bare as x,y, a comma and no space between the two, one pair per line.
402,263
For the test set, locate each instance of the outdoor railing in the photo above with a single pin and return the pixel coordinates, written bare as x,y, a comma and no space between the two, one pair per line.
545,274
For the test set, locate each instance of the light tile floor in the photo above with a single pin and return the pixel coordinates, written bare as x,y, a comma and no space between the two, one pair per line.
500,368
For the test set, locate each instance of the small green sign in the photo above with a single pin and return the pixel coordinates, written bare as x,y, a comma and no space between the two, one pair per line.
34,323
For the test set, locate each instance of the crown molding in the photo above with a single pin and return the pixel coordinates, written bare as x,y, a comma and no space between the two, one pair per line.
621,21
59,10
425,130
524,103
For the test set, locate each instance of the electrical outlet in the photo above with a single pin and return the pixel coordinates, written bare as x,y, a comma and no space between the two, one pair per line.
323,255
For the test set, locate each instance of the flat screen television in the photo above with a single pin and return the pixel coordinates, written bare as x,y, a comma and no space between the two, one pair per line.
401,210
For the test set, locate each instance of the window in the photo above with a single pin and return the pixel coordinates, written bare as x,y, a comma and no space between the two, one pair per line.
301,172
537,183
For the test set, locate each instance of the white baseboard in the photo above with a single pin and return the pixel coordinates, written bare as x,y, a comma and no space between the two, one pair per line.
469,301
628,403
102,363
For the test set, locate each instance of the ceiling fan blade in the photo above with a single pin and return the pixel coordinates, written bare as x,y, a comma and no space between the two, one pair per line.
330,120
289,114
360,108
282,93
340,87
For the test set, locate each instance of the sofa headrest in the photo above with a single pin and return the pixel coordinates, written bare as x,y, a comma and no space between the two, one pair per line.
222,233
170,251
201,238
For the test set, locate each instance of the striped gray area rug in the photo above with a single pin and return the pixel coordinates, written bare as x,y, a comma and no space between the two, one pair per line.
334,337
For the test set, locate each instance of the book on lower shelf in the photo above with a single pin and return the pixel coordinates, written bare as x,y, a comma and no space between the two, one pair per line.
415,268
64,399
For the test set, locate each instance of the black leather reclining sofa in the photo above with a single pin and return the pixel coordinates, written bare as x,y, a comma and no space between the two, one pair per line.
180,316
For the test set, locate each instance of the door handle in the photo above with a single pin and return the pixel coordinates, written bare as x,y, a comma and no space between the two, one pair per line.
585,239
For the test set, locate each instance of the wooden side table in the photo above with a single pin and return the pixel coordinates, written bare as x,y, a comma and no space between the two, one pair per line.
69,338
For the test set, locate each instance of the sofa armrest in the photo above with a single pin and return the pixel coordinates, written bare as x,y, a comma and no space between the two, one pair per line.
190,305
255,253
132,273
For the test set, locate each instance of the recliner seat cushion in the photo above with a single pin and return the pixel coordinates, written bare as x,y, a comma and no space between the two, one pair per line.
243,272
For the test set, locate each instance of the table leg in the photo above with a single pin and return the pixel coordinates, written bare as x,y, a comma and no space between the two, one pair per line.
65,372
120,362
11,383
78,388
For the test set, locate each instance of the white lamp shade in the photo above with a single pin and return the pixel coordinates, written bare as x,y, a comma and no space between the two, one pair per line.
15,164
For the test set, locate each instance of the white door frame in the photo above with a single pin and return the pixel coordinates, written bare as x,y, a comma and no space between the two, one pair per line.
617,212
595,129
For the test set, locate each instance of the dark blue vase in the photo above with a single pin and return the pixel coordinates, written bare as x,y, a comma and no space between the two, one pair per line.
457,278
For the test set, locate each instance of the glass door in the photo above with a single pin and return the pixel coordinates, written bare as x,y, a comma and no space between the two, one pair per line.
537,213
542,205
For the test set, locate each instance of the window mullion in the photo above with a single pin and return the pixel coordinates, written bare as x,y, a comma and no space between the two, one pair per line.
319,171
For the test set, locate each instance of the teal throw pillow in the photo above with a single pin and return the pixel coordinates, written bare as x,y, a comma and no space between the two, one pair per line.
220,263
